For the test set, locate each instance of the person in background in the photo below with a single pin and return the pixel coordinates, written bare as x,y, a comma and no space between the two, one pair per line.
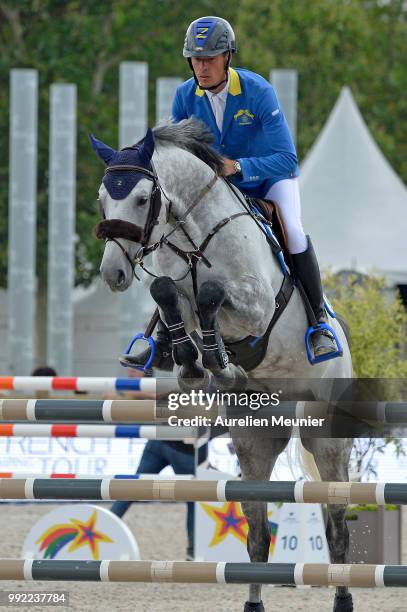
43,371
157,455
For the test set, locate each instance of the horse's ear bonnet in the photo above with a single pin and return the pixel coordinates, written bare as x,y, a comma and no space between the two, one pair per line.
124,170
121,182
103,150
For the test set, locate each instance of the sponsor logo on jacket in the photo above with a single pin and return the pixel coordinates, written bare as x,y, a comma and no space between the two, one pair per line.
243,117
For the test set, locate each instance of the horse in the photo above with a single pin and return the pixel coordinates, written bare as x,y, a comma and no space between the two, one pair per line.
216,274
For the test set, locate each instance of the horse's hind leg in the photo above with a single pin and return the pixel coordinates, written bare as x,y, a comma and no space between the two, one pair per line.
164,291
257,457
210,298
332,459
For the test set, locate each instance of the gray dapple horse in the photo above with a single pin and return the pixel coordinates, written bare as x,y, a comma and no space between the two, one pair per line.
237,279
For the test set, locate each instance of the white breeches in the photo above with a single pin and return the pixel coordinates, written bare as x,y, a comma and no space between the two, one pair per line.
286,195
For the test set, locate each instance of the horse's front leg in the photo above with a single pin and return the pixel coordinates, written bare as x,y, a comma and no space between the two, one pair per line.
164,291
210,298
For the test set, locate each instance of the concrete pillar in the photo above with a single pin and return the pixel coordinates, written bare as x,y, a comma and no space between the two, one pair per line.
285,82
61,227
22,220
135,303
165,92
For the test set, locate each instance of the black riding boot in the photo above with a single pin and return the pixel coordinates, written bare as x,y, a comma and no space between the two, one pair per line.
306,269
163,351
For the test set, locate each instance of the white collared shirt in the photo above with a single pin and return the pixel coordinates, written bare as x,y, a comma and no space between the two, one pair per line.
218,104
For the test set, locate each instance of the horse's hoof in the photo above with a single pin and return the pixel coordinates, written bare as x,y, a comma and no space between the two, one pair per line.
241,378
253,607
234,378
192,378
343,603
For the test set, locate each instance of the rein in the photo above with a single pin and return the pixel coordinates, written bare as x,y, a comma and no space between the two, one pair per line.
113,229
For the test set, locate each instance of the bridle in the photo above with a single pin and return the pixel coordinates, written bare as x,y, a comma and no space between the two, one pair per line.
113,229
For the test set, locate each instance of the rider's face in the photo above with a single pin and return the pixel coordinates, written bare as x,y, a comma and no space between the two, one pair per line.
209,70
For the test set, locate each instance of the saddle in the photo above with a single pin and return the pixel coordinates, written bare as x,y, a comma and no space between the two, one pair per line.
271,214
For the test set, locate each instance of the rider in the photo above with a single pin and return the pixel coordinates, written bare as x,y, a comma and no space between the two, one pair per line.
250,130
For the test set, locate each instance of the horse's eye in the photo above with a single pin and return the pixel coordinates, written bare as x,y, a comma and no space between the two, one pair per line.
142,201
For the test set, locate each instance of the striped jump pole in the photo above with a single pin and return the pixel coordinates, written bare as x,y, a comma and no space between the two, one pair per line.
313,574
102,411
90,477
146,411
86,384
378,412
204,490
147,432
382,412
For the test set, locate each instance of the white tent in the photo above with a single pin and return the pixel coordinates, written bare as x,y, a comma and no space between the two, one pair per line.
354,204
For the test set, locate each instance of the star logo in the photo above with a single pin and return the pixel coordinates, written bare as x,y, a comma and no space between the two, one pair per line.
76,533
230,520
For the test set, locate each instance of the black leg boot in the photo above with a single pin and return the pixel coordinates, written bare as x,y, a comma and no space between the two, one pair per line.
163,352
306,269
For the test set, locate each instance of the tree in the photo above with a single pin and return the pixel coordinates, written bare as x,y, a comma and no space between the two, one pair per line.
361,43
83,43
365,452
377,321
333,43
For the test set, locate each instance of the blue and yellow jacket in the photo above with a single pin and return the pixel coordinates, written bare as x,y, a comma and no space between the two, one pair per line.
254,129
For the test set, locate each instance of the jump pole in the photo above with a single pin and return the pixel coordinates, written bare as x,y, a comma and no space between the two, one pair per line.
96,411
146,432
66,475
313,574
85,384
203,490
146,411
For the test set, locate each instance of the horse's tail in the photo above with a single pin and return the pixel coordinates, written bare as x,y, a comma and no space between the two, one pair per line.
307,463
302,460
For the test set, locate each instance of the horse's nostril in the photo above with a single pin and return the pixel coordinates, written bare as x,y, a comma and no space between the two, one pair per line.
121,277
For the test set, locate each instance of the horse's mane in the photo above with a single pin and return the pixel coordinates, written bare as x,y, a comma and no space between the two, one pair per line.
193,136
